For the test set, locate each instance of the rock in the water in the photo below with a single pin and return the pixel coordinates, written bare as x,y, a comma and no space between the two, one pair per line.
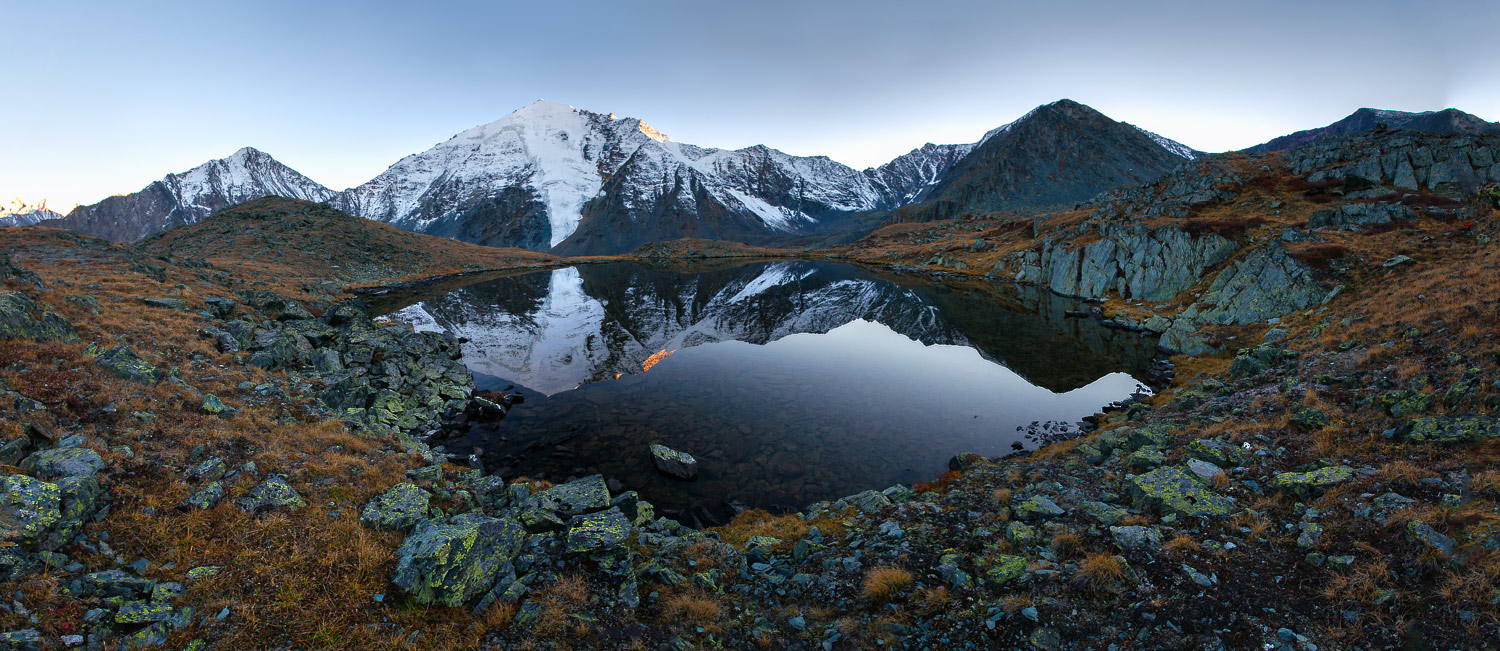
672,463
1173,491
399,509
598,532
451,560
274,493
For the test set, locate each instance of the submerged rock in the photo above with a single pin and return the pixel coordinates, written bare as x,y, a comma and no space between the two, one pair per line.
672,463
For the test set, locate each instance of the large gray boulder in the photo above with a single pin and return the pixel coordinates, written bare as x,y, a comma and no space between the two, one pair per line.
451,560
399,509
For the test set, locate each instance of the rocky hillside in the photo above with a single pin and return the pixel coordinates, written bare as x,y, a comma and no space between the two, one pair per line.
1446,121
273,237
1058,154
188,197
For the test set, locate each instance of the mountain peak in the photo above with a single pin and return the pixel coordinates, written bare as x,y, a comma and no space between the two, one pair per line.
1447,121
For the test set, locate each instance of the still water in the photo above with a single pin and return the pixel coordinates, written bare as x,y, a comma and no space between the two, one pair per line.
789,381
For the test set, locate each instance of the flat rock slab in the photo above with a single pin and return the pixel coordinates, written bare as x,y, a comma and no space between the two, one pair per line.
1173,491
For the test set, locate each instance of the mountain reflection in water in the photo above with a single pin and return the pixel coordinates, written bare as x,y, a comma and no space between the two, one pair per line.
790,381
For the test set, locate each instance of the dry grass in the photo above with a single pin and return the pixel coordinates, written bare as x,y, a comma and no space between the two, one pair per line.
694,605
885,583
1181,545
1100,572
1361,585
756,522
1000,496
1067,544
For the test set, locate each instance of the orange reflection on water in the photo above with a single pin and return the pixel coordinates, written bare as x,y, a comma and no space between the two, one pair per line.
655,359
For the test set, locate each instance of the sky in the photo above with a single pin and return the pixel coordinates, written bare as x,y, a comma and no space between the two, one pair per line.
102,98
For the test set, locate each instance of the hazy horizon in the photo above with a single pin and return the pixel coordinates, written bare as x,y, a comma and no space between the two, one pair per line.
339,91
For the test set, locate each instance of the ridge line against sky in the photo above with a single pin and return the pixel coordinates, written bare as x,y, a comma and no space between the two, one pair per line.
108,97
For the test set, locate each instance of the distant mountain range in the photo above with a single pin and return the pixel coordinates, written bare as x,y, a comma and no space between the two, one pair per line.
550,177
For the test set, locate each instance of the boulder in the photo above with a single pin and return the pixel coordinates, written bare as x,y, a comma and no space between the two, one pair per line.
211,469
124,363
598,532
1172,491
64,462
1451,429
1005,568
28,508
1136,538
1036,507
399,509
1307,484
674,464
205,498
22,318
272,494
451,560
576,497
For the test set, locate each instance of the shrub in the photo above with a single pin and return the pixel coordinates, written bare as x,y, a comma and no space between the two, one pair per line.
884,583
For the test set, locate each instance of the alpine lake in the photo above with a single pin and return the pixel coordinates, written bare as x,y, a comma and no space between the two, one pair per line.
789,381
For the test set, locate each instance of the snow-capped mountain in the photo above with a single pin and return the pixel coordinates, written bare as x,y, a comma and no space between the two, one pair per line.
22,214
554,331
550,176
190,196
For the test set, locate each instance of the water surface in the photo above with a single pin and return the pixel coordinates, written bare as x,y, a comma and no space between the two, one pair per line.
790,381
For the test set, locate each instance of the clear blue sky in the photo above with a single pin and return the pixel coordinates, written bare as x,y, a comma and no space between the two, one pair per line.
104,97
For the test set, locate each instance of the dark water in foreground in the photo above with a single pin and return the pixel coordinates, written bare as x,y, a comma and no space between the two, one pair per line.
791,382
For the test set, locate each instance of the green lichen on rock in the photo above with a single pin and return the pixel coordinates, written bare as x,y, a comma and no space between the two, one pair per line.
1449,429
142,612
1307,484
272,494
203,572
1005,568
1146,458
597,532
212,405
451,560
1105,514
205,498
28,508
1020,533
1038,506
576,497
398,509
64,462
1173,491
124,363
22,318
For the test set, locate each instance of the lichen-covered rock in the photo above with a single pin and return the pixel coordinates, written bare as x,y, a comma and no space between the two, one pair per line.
1418,531
124,363
597,532
1146,458
64,462
81,498
166,303
142,612
451,560
576,497
221,308
28,508
1136,538
951,569
1038,506
399,509
212,405
205,498
1105,514
1005,568
868,501
211,469
1173,491
1266,283
1450,429
673,463
1205,471
1306,484
22,318
272,494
